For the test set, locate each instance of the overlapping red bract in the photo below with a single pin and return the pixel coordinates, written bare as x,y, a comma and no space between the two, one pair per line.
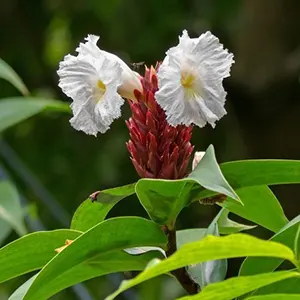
157,149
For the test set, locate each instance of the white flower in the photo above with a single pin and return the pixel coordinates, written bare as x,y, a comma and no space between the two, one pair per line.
190,80
96,81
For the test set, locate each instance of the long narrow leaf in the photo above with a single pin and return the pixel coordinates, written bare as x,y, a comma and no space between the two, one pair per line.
276,297
211,248
96,252
238,286
256,265
31,252
15,110
8,73
10,207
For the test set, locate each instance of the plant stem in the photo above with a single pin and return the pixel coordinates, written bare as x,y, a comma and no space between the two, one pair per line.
181,274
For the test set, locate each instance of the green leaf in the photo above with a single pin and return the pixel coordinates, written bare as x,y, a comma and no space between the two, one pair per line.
155,289
164,199
101,246
257,201
227,226
10,207
91,212
31,252
7,73
209,271
213,270
206,272
256,265
5,230
246,173
237,286
211,248
261,172
109,262
15,110
186,236
250,173
208,175
297,244
19,293
287,286
276,297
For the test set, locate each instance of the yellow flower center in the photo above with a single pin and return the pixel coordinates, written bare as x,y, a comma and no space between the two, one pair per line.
101,85
187,80
99,91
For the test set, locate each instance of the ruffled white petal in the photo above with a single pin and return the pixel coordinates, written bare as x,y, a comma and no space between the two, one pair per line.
96,81
130,80
93,119
90,47
94,106
190,81
77,76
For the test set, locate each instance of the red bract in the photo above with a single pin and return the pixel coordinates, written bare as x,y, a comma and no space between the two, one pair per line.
157,149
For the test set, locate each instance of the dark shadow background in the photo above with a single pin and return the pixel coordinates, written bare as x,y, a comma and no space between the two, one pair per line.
263,97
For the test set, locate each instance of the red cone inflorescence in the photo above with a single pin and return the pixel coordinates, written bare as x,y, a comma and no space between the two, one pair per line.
157,149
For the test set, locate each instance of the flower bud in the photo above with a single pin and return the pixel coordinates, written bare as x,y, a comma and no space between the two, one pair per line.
157,149
130,80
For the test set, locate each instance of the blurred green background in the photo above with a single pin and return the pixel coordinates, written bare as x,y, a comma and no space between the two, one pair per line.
263,101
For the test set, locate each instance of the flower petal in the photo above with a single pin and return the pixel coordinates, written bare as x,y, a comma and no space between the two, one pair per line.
213,54
190,81
90,47
94,107
84,119
130,79
77,76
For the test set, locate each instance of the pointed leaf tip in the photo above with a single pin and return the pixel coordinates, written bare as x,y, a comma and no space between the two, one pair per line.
209,175
9,74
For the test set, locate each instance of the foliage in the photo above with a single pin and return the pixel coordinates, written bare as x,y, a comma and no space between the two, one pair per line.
97,245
